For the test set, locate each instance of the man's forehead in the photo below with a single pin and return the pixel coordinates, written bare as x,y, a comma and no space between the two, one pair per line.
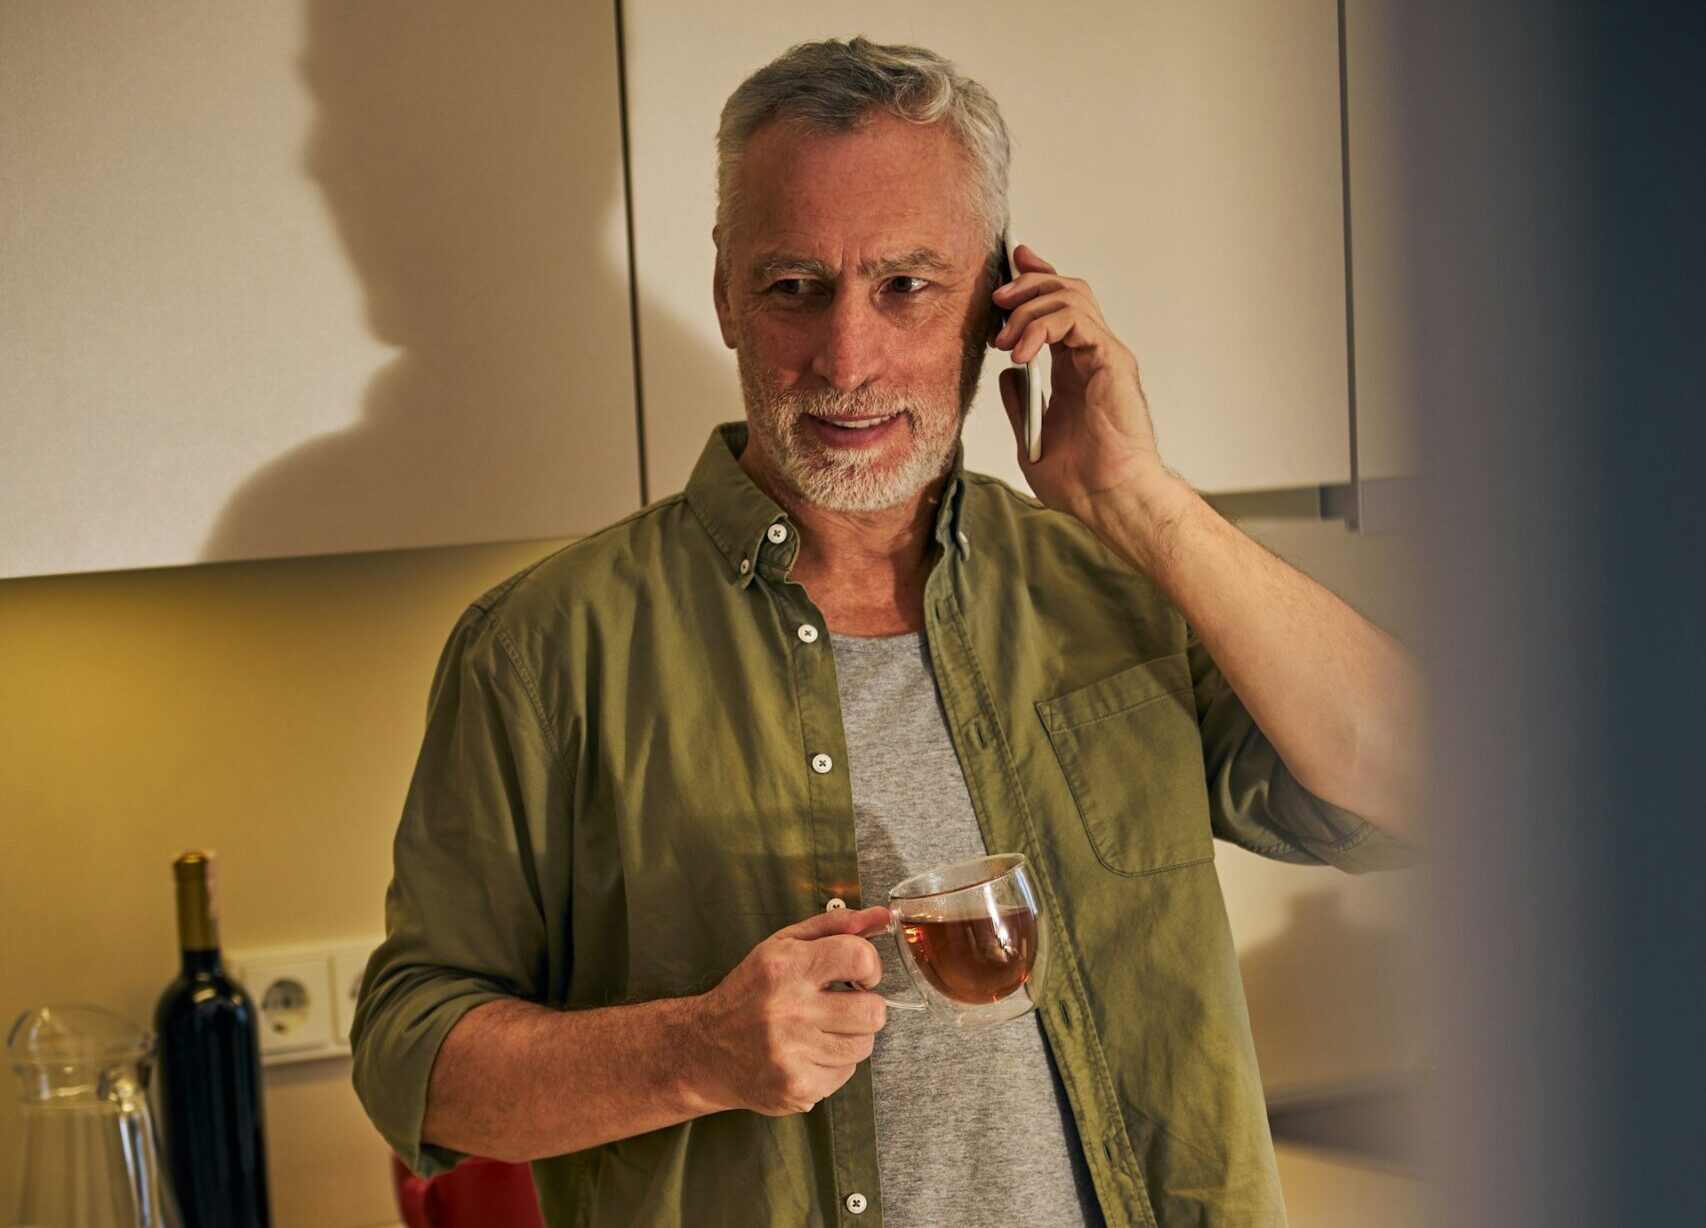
885,193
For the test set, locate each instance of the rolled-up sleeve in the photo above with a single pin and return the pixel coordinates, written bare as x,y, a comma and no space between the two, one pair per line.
1256,803
465,918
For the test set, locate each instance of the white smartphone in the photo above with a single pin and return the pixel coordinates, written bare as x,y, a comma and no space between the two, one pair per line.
1033,378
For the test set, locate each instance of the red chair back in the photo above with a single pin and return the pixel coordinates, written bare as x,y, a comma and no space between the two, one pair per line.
476,1193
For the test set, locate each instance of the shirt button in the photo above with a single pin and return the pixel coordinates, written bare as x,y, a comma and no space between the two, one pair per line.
808,633
745,566
856,1203
965,542
777,533
836,903
822,763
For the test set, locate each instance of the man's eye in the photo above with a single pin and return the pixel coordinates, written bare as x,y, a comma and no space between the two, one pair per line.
908,285
792,287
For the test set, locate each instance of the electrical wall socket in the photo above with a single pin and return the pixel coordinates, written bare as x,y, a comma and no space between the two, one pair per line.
304,997
292,989
349,962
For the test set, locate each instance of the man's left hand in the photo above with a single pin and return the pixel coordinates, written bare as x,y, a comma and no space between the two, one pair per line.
1098,443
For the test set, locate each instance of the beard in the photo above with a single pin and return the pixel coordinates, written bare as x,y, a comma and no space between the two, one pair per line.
857,479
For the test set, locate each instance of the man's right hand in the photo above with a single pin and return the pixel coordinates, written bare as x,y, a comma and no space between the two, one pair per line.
777,1035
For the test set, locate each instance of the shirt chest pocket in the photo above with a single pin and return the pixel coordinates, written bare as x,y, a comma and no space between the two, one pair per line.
1131,753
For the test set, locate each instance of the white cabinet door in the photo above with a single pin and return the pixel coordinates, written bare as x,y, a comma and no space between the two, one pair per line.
1183,158
1380,228
291,279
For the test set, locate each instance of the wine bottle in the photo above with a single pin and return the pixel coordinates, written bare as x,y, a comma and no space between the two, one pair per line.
210,1070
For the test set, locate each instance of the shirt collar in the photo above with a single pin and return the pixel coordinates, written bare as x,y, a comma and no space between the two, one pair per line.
738,515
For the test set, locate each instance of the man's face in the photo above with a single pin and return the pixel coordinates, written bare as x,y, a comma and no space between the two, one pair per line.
855,291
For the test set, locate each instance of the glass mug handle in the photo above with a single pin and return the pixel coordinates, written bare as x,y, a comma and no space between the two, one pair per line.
893,934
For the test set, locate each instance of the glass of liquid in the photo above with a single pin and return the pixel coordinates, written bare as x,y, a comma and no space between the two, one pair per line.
973,940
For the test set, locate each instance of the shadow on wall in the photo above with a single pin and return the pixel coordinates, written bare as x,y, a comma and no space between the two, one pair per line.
473,176
1331,1000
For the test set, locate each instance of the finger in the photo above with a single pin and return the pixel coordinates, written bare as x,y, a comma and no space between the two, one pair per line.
1026,286
854,1012
1032,287
1021,317
838,921
835,1074
1063,327
1026,255
845,957
833,1049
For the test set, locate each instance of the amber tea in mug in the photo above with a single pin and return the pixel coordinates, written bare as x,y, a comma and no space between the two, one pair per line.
972,938
976,959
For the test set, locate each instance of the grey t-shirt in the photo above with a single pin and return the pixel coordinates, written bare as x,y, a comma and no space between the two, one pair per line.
972,1127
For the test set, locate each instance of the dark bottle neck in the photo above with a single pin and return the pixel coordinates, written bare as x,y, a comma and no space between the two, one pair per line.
202,963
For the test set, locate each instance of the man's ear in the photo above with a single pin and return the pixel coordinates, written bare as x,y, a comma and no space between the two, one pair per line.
720,290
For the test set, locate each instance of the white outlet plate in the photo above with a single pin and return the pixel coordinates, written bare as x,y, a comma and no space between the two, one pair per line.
292,989
313,992
349,962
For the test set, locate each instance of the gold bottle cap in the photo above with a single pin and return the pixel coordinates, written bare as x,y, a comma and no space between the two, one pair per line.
198,909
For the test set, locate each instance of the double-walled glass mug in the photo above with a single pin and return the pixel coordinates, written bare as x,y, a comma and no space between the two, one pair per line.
972,939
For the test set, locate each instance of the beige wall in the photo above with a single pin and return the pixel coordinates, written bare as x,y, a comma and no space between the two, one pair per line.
1331,961
1328,958
269,710
1321,1191
272,710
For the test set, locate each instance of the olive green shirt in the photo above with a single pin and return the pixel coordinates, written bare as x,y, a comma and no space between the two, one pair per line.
634,772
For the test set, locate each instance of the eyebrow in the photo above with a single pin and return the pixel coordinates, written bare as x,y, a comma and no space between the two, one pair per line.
771,264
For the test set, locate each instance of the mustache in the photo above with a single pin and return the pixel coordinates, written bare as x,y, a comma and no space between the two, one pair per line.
834,403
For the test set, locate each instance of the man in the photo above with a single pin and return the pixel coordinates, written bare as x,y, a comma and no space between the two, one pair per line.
666,766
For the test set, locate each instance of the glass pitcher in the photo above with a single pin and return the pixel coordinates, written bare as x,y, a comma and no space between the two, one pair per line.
89,1156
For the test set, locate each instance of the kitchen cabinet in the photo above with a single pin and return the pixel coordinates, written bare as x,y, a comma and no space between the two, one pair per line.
1385,415
1184,159
322,281
308,280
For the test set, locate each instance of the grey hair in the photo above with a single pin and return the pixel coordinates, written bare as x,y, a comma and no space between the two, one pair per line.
835,86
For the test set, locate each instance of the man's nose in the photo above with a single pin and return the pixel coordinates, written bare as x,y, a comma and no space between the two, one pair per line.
850,348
